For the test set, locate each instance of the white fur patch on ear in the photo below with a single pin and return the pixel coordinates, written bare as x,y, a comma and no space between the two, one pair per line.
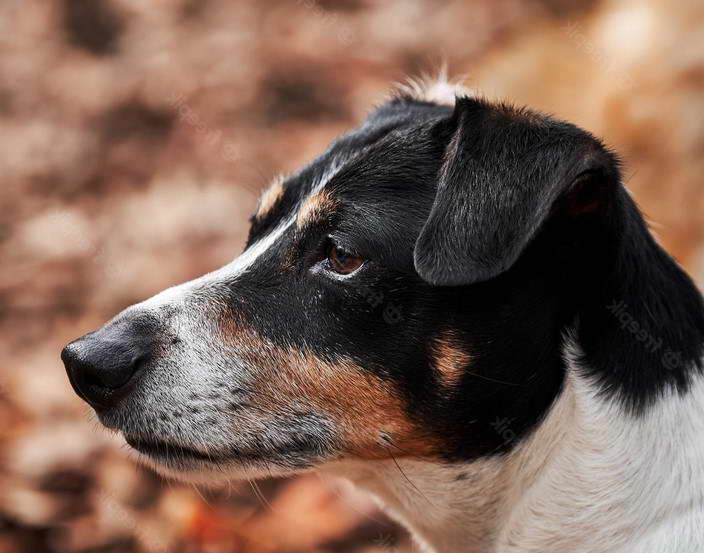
438,89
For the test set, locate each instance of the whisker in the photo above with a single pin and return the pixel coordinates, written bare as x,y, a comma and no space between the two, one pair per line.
405,476
258,492
495,380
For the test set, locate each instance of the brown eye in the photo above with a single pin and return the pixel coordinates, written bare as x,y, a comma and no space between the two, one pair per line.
343,262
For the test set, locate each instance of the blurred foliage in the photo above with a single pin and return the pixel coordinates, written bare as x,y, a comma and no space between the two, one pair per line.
135,138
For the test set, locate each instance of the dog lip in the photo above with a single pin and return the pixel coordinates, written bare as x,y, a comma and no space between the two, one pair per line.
164,449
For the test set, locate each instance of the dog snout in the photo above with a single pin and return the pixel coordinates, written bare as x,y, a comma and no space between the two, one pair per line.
103,366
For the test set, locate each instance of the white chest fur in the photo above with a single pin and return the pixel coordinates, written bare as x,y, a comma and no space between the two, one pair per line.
591,479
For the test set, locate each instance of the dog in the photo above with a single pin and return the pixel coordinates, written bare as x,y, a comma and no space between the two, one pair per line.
458,307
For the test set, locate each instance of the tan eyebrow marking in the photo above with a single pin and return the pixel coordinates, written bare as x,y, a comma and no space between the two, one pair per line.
450,359
270,197
315,207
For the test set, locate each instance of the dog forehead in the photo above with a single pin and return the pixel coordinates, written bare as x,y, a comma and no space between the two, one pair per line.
375,185
288,194
395,139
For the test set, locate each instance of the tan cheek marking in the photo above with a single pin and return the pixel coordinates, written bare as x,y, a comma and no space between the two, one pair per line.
450,358
315,207
270,196
365,408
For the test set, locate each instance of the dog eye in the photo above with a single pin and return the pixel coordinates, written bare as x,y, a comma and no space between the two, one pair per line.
343,262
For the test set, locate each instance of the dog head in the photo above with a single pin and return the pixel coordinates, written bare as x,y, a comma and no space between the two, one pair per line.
396,298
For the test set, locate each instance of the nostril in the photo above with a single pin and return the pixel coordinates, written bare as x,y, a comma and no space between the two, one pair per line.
111,380
102,369
116,370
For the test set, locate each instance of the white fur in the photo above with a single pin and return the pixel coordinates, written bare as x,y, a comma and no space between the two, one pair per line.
438,90
231,271
444,515
591,479
187,377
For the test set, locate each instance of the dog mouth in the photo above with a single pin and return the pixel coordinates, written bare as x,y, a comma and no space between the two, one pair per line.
297,443
169,452
172,455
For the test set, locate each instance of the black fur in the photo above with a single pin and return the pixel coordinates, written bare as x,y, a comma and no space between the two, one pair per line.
508,227
503,169
506,230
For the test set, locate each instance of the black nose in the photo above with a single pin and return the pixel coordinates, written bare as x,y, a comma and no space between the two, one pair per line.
103,365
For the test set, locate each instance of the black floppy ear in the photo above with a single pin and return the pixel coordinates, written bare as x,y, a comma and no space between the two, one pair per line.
502,173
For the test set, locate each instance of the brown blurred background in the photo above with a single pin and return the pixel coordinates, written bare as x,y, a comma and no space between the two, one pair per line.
135,137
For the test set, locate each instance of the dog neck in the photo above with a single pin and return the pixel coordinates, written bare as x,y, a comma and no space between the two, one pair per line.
615,463
559,489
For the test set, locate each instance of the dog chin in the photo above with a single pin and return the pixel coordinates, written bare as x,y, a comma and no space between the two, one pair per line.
206,473
212,472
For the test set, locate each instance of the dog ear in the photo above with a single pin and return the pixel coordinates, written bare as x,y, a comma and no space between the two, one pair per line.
503,171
